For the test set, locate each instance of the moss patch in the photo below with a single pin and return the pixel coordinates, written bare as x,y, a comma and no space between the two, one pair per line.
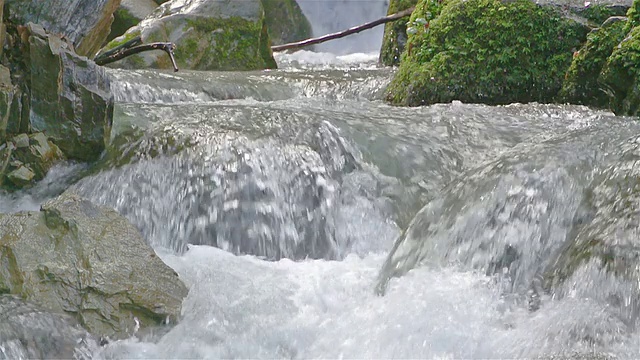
581,83
621,75
395,34
487,51
285,21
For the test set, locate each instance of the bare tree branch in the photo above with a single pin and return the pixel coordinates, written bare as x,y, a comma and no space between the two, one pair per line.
135,46
337,35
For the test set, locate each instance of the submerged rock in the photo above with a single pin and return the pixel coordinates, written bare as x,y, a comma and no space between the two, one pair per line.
85,23
485,51
395,34
77,258
209,34
27,332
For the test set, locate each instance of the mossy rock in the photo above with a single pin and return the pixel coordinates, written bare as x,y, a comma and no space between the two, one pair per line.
621,75
395,34
581,83
285,21
129,14
209,35
487,51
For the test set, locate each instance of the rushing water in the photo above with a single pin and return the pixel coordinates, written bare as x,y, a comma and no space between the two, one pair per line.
311,220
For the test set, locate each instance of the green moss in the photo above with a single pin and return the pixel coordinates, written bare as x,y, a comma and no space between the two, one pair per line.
633,15
120,40
225,44
597,14
122,21
621,75
581,82
487,51
395,34
285,21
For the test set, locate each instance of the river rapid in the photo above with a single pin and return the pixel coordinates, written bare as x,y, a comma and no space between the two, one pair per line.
311,220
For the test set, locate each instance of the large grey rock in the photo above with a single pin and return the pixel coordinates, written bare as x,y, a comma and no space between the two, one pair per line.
77,258
70,96
85,23
286,22
129,14
209,34
27,332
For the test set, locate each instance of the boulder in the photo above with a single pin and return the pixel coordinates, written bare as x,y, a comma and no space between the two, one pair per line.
581,84
73,257
395,34
85,23
28,332
485,51
129,14
69,99
209,34
621,77
286,22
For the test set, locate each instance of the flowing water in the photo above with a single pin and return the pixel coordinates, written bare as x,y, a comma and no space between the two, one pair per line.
311,220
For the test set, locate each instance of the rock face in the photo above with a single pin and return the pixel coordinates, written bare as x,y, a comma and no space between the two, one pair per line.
485,51
26,158
27,332
129,14
55,91
286,22
209,34
77,258
395,34
85,23
620,75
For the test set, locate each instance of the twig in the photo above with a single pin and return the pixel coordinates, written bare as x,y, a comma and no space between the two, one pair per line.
132,47
341,34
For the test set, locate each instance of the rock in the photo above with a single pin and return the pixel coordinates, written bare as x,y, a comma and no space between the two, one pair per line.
485,51
70,96
209,34
581,84
76,258
620,75
129,14
395,34
286,22
21,176
85,23
27,332
21,140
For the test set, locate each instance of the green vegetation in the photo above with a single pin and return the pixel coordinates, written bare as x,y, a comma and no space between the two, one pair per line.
395,34
621,75
581,83
486,51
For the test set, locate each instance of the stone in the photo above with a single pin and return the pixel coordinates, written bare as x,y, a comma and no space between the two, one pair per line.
74,257
209,35
39,153
395,34
21,140
5,156
70,97
485,51
129,14
22,176
85,23
28,332
285,21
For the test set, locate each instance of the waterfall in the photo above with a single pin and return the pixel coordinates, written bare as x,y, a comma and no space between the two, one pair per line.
328,16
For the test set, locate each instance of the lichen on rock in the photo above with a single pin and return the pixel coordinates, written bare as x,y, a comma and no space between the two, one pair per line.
487,51
76,258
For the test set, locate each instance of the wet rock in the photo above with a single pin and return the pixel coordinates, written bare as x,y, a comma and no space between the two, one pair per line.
27,158
285,21
85,23
70,97
581,84
27,332
21,176
209,34
395,34
129,14
77,258
485,51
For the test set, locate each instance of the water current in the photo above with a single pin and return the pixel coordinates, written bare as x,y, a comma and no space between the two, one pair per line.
311,220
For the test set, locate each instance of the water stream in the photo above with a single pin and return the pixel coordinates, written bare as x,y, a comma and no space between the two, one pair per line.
311,220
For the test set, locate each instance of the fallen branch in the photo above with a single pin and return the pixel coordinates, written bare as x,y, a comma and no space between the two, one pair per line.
135,46
341,34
